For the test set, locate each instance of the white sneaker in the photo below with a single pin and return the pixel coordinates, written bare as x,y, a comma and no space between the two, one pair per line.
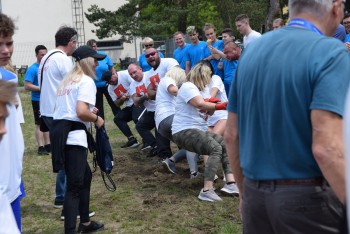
209,195
230,188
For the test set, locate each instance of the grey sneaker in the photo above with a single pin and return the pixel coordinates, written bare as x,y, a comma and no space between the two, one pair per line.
170,165
195,174
209,195
230,188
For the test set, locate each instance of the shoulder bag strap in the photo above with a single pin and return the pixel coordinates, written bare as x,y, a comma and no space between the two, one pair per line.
42,68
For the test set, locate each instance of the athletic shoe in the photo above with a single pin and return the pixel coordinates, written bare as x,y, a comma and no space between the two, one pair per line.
42,151
48,148
153,152
230,188
145,146
209,195
216,177
58,204
170,165
132,143
195,174
92,227
91,213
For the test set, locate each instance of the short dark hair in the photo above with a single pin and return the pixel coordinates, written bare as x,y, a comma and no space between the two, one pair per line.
347,15
7,26
64,35
228,31
38,48
91,42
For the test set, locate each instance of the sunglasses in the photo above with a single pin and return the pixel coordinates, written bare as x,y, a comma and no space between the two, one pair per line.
151,54
150,45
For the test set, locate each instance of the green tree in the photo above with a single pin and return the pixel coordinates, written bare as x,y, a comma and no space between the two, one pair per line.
161,18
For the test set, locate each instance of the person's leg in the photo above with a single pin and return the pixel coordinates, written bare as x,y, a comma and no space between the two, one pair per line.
61,175
84,202
201,142
144,127
75,167
99,102
136,112
115,109
122,119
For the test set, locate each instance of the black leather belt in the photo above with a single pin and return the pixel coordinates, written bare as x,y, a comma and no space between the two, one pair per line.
315,182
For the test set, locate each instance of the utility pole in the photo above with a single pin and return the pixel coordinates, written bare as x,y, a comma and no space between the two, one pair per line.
78,20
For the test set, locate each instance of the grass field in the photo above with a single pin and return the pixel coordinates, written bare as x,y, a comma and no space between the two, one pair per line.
148,198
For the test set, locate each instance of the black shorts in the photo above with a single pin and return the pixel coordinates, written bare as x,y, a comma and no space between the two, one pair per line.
36,112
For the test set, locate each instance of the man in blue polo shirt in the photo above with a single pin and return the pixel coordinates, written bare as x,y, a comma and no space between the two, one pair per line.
181,50
284,130
31,84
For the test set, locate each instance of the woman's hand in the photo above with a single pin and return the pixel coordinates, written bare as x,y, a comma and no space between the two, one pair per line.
100,122
95,110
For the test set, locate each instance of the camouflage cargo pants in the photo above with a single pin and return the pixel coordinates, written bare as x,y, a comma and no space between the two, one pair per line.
205,143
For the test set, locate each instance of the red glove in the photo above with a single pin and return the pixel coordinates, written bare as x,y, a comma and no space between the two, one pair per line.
212,100
221,106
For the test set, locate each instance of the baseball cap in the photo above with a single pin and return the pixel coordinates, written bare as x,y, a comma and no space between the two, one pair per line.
85,52
106,76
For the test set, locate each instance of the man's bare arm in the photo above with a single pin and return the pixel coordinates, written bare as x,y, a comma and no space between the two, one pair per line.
328,149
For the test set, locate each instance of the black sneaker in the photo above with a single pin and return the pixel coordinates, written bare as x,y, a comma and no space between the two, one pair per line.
42,151
145,146
92,227
153,152
132,143
58,204
48,148
91,213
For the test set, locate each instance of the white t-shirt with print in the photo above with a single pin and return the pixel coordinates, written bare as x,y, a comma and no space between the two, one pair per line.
154,76
56,68
216,82
140,89
66,102
122,87
187,116
251,37
165,102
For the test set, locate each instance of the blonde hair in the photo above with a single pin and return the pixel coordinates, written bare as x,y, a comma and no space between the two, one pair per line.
147,40
84,66
177,74
8,92
200,75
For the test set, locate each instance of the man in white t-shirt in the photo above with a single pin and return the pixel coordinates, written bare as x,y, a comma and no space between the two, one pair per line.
11,138
119,90
160,66
52,69
243,27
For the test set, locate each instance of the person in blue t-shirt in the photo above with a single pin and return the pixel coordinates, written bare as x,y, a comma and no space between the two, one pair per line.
147,42
213,43
195,52
284,131
31,83
181,50
103,65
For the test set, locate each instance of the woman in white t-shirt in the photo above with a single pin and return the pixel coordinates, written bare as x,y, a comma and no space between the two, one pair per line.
190,129
75,107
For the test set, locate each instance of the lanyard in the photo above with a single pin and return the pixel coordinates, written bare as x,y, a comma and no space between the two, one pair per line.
305,24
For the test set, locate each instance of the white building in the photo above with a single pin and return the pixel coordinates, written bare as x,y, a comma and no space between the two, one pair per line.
38,20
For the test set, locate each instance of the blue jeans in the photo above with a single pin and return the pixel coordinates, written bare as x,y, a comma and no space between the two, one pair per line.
61,175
